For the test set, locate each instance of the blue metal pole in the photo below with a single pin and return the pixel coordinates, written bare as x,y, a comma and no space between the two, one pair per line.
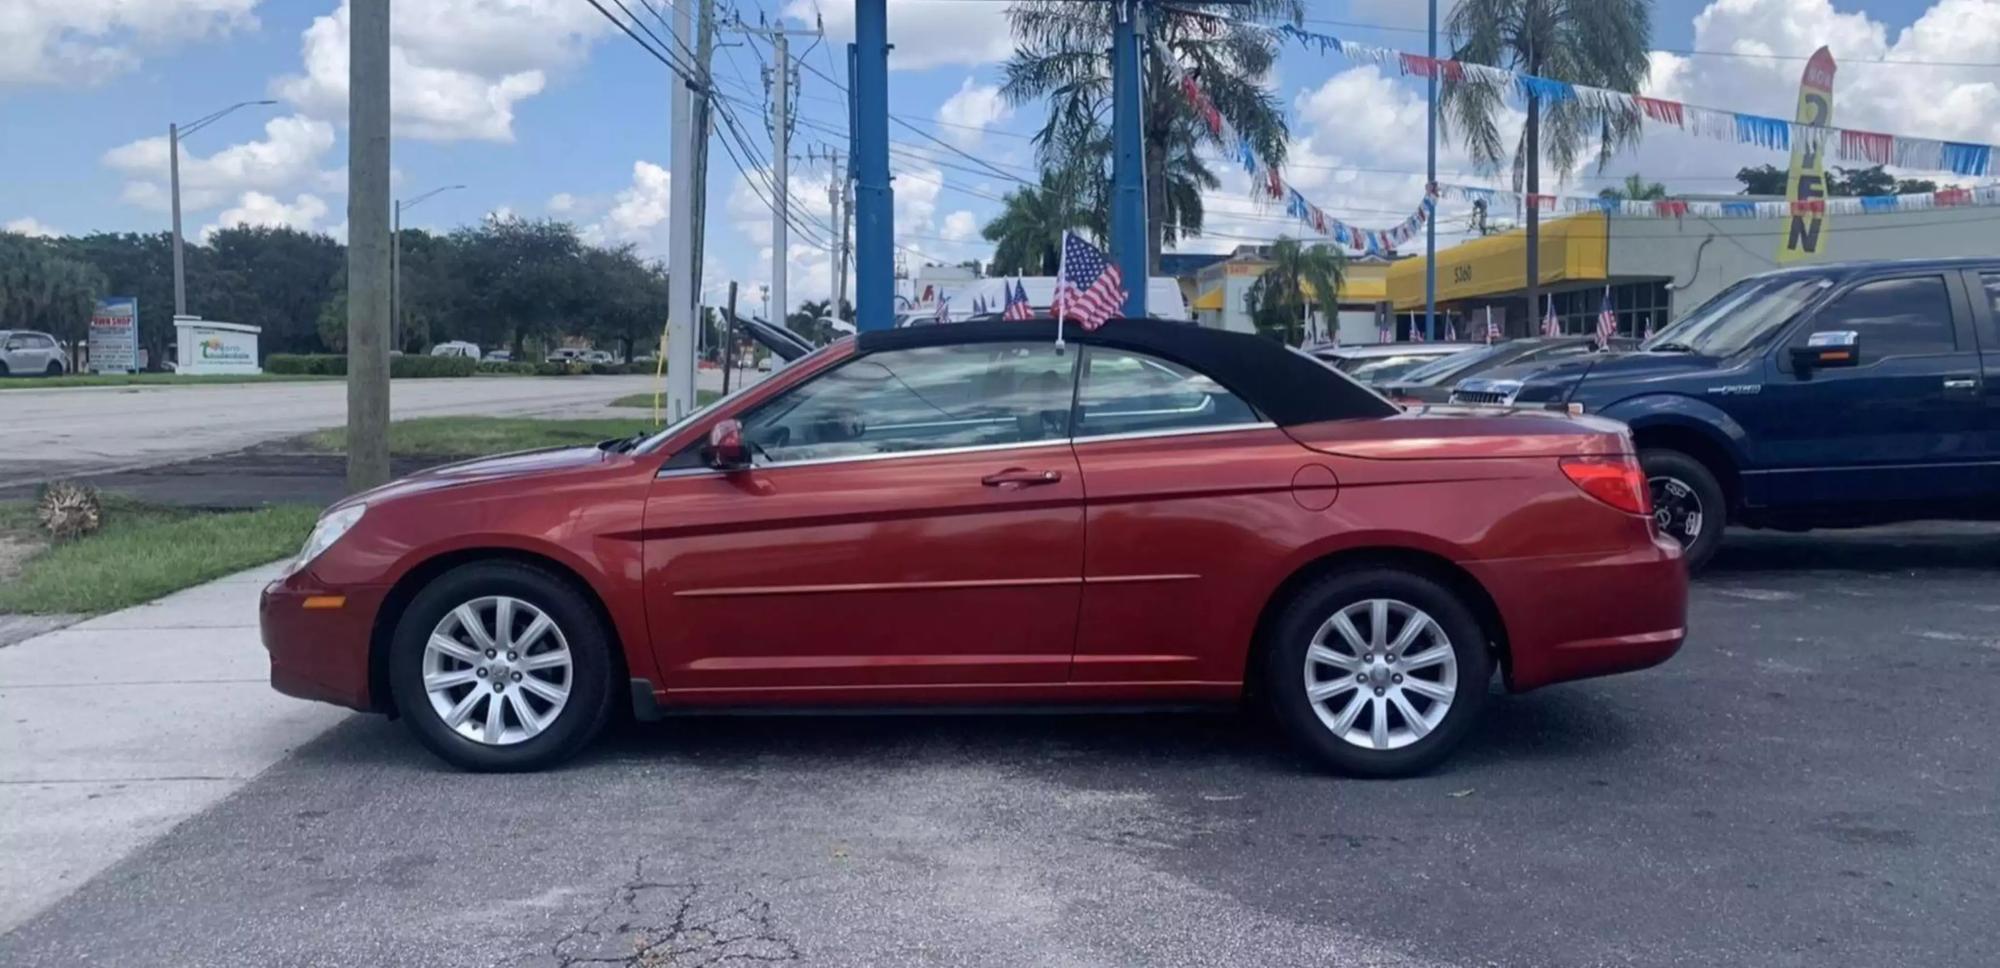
874,199
1430,181
1128,161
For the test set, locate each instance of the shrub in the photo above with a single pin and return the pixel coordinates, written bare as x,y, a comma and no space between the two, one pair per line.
551,369
306,364
432,366
502,366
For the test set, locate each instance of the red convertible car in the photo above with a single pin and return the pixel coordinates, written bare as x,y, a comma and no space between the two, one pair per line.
1155,514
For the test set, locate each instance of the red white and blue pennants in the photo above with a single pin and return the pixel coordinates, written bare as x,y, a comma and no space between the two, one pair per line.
1777,134
1683,208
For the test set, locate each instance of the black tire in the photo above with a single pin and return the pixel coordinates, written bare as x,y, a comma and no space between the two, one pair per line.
55,369
1285,672
1680,485
3,369
581,717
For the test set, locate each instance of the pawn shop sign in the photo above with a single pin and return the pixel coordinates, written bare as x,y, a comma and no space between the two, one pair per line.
1806,233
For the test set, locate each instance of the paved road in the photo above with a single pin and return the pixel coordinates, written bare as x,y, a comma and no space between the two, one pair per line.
57,433
1811,783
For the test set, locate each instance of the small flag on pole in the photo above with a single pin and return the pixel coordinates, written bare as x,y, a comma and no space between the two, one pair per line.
1492,328
1416,332
1551,326
1607,322
1386,333
1088,286
1017,307
943,308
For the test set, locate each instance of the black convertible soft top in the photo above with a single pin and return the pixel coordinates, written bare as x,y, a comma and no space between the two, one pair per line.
1284,385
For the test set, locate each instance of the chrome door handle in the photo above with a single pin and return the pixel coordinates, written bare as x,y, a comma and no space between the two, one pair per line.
1020,477
1961,383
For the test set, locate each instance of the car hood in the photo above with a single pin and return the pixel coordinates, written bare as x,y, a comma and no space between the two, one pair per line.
503,467
1554,381
1442,432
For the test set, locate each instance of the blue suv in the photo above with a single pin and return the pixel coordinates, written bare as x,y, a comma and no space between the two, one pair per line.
1822,396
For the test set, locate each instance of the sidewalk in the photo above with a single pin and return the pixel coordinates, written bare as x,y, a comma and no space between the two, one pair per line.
118,728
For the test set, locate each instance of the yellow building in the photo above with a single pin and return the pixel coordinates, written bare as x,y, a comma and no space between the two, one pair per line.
1222,288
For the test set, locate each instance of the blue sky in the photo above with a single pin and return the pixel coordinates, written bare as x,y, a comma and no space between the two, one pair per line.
542,109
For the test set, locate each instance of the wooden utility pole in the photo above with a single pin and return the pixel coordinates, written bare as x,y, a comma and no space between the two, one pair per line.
367,244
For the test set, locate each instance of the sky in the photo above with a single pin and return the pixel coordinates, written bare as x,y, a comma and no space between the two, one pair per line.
541,108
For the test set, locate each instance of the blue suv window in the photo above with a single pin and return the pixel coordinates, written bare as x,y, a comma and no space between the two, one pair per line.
1992,281
1895,317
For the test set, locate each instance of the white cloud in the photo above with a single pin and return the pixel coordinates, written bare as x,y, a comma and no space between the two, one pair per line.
457,67
561,203
288,156
924,33
83,42
31,226
960,226
261,210
639,214
967,113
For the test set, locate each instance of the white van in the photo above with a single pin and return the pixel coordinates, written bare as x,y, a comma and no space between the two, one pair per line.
456,347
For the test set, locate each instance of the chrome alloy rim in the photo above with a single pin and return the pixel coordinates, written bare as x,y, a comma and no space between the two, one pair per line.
1381,674
497,670
1677,510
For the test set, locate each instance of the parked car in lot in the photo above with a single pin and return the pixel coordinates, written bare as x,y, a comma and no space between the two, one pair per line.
949,515
499,356
28,353
1433,382
564,355
1824,396
1379,363
456,347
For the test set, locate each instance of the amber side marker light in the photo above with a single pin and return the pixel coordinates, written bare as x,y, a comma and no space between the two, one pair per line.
1616,481
325,601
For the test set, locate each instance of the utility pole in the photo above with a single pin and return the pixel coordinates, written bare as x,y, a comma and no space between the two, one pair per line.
175,132
367,244
836,198
1128,158
780,85
704,52
875,248
1430,186
684,293
846,249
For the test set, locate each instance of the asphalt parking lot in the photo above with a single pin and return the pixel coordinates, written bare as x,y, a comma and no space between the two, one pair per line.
1812,782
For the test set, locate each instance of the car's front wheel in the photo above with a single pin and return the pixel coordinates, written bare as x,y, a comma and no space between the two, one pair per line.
1688,504
501,667
55,369
1377,672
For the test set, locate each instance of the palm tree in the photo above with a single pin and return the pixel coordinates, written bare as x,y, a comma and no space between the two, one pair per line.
1635,189
1278,298
1027,234
1062,52
1602,43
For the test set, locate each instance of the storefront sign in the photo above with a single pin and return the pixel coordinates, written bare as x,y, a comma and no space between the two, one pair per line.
207,347
114,335
1806,230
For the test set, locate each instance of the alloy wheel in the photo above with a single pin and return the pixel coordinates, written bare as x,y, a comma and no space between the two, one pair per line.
497,670
1381,674
1677,509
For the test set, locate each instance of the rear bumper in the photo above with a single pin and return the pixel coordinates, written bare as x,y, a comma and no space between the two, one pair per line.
319,653
1576,617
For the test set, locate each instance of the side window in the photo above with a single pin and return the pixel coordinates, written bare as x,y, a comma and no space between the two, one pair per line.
1895,317
1124,392
41,342
1992,281
919,399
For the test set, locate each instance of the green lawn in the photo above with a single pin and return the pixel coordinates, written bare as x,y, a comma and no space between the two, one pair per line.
644,401
148,379
479,436
143,552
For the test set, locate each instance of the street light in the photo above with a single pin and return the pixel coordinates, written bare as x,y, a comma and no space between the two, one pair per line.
396,264
174,133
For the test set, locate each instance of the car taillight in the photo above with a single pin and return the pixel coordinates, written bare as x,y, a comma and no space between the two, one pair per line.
1616,481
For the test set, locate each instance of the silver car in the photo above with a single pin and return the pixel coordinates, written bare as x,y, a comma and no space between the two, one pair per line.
27,353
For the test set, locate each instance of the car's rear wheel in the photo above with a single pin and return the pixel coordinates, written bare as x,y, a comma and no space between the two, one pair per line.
1377,672
55,369
1688,503
500,667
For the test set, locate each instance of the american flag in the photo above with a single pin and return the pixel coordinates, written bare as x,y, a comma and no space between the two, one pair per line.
1551,326
1386,333
1607,322
1089,288
1017,303
1492,328
943,308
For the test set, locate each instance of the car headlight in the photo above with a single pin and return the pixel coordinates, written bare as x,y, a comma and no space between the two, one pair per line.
325,533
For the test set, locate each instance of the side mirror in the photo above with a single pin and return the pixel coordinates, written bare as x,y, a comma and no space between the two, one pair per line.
1836,347
726,450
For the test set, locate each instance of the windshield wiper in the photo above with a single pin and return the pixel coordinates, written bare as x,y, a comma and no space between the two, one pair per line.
1670,347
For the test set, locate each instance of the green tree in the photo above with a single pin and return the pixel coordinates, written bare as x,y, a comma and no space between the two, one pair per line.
1635,189
1027,234
274,278
1602,43
1843,182
1762,180
142,267
43,289
622,298
1278,299
521,280
1062,53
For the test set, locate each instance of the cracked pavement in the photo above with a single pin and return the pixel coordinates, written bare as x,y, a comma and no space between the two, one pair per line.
1812,782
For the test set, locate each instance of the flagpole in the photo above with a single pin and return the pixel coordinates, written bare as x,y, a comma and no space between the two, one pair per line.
1062,265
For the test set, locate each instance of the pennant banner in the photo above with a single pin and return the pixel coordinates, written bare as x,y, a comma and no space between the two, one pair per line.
1682,208
1777,134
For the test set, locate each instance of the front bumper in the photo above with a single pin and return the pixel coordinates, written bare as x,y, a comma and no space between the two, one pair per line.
1577,617
320,652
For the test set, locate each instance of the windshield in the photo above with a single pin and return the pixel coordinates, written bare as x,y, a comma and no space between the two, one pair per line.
1738,316
1437,370
657,437
1382,369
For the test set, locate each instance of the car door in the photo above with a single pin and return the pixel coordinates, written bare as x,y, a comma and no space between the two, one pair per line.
912,527
1984,288
1899,426
1187,487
